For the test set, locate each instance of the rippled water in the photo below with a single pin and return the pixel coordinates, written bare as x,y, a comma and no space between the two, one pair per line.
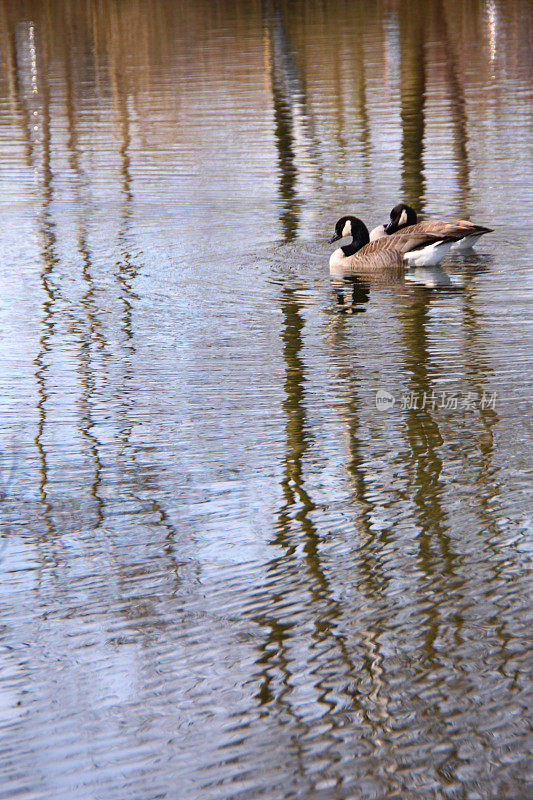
225,572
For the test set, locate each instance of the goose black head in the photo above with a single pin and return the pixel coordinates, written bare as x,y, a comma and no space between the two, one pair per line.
401,216
351,226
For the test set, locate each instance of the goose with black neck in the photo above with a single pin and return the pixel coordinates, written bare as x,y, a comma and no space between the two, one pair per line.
394,252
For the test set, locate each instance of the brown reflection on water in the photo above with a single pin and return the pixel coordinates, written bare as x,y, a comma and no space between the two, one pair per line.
130,49
282,75
480,380
352,101
413,98
48,280
274,651
297,148
456,99
142,477
88,326
19,106
55,40
373,579
440,562
89,334
337,665
126,269
436,558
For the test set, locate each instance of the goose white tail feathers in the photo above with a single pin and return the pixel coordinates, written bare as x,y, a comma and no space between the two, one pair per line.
430,255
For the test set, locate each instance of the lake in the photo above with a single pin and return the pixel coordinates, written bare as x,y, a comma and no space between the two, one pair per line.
263,536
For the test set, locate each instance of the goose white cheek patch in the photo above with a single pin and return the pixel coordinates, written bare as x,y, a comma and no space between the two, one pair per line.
347,230
403,218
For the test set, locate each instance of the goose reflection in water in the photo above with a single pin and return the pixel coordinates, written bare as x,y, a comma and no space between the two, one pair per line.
352,292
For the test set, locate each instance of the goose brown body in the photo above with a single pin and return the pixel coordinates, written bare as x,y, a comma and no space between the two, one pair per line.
391,252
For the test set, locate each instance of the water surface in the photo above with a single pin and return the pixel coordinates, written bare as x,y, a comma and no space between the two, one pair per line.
225,572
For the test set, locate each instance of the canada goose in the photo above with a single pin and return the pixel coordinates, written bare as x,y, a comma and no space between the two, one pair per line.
403,218
398,251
